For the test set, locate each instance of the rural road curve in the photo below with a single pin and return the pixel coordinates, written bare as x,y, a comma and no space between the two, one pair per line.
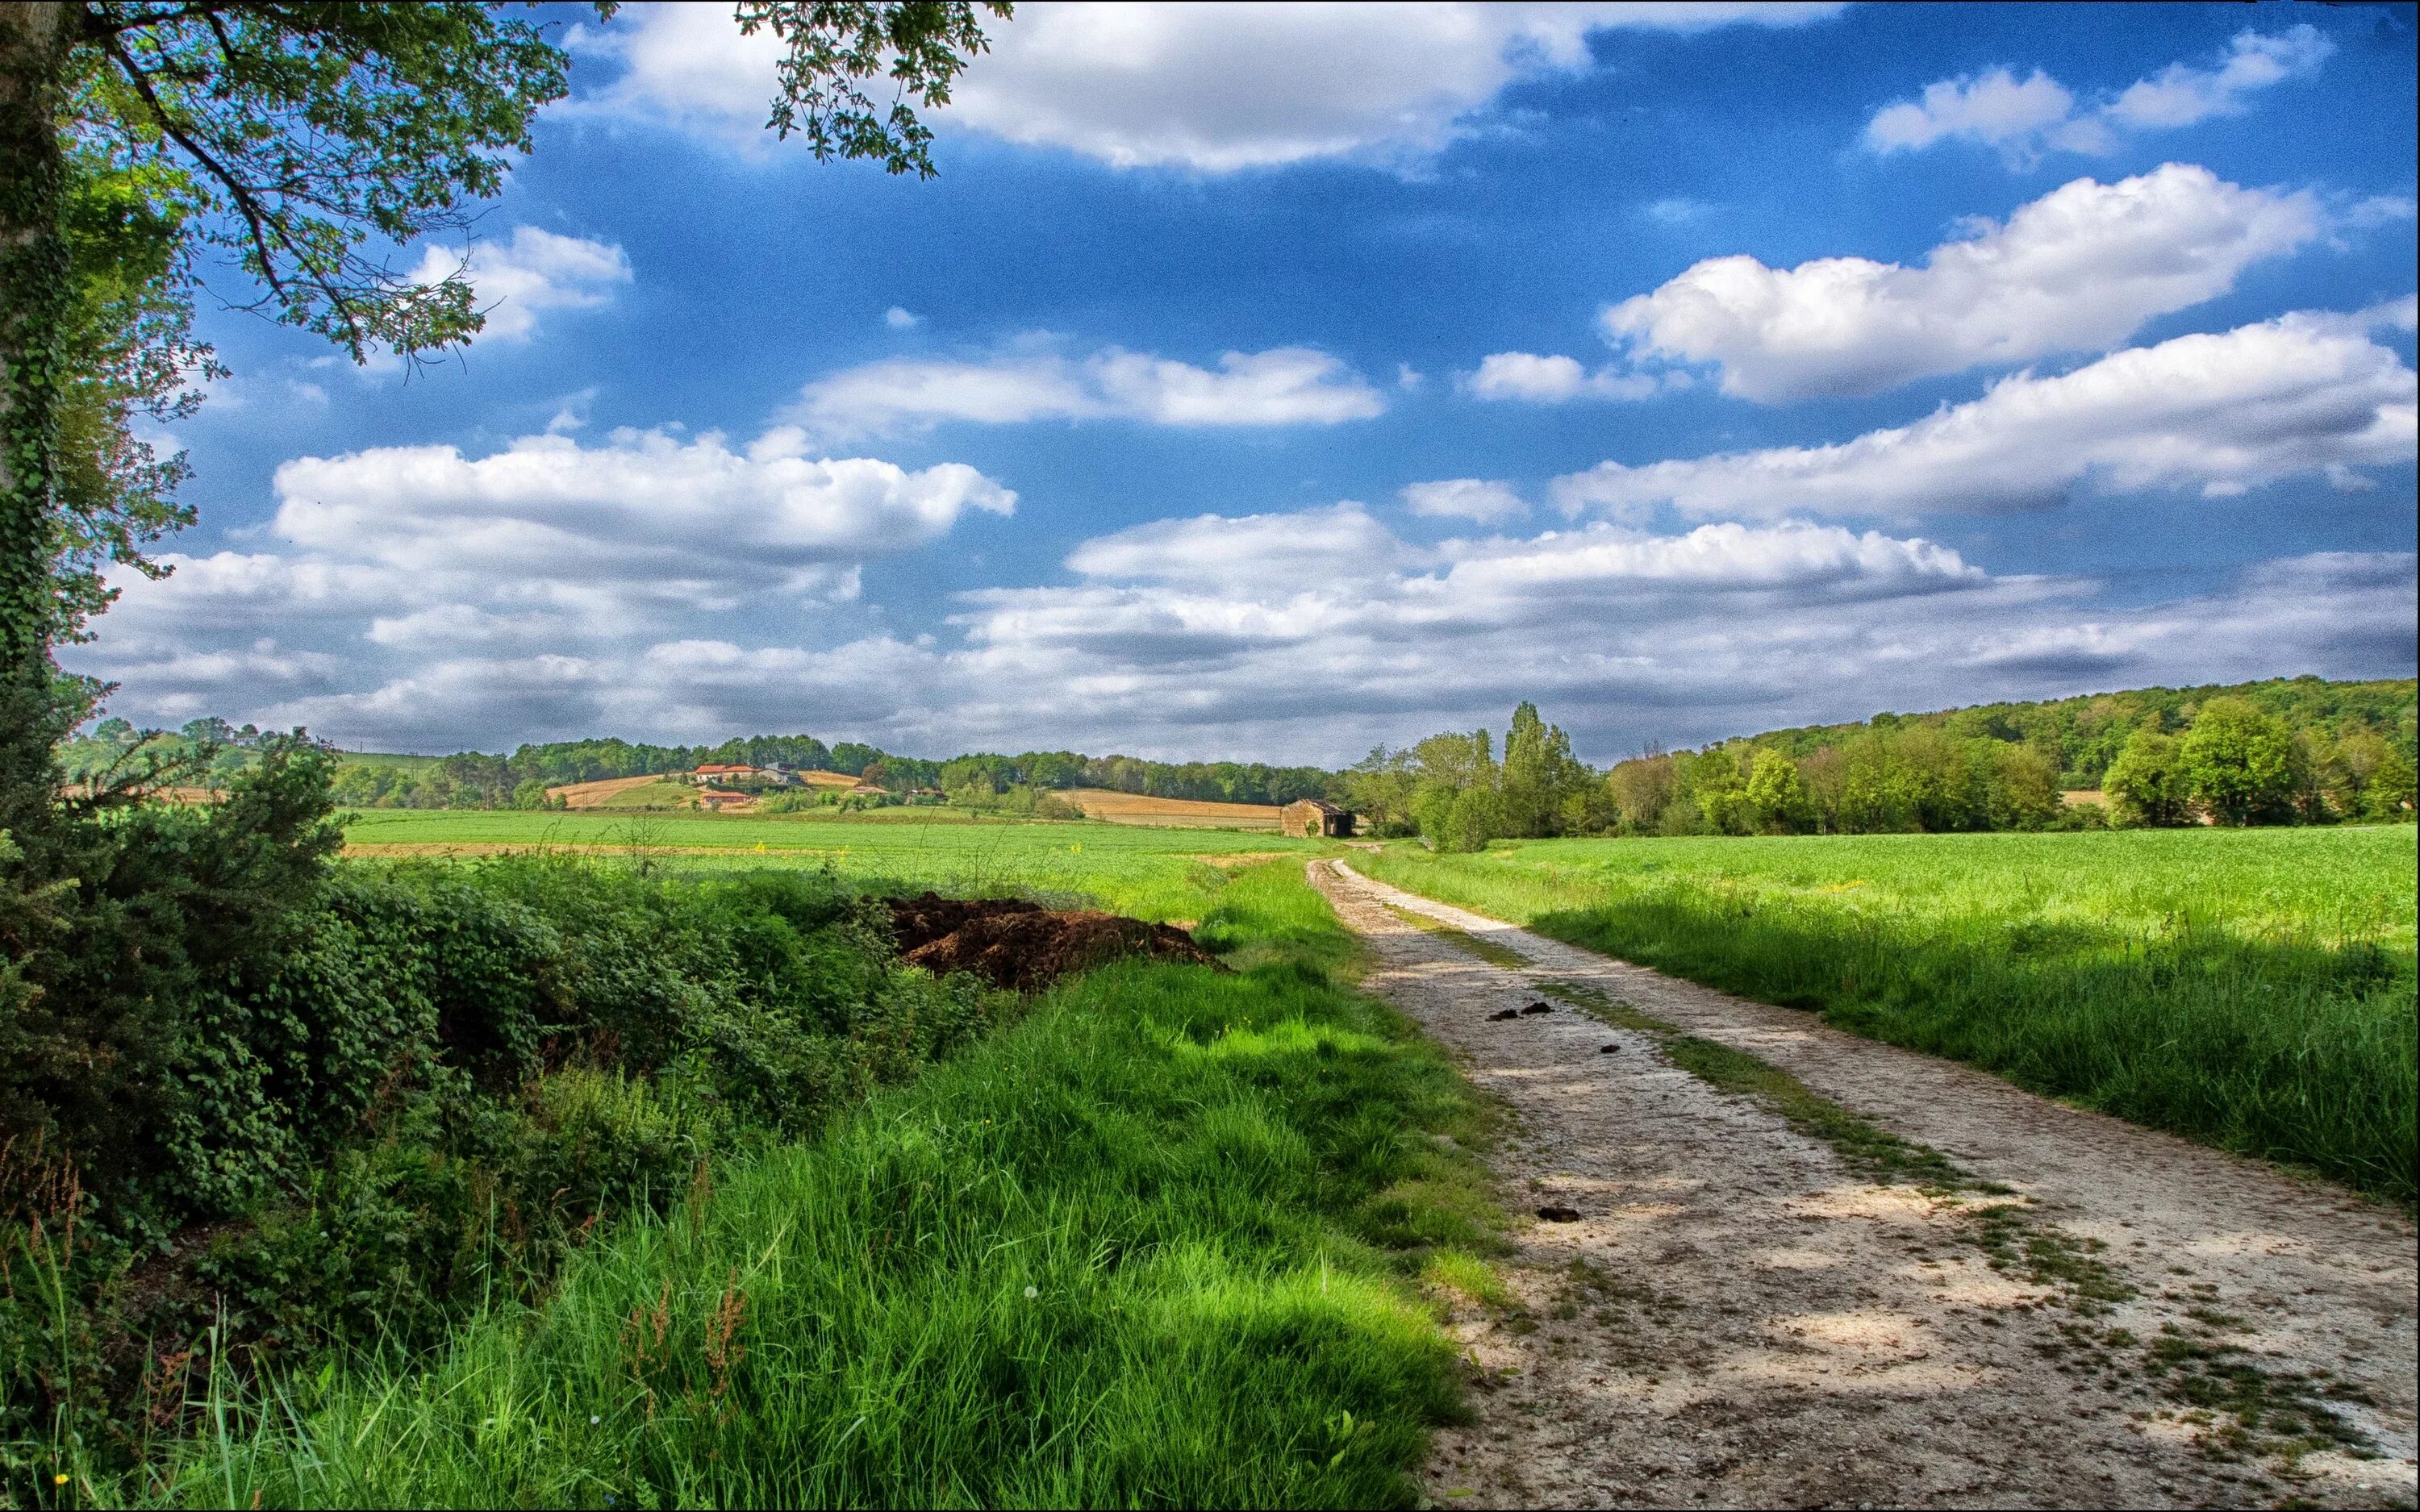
1740,1319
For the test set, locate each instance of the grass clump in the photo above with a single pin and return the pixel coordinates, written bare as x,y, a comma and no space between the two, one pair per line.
2252,990
1153,1244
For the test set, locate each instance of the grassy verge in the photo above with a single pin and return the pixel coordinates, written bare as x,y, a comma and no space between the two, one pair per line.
1154,1243
2250,991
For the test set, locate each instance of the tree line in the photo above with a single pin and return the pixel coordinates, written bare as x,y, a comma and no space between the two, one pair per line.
2285,751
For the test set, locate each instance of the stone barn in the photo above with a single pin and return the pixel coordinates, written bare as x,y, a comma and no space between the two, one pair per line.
1313,818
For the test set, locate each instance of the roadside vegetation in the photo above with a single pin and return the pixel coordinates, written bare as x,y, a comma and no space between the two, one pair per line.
1155,1236
2254,990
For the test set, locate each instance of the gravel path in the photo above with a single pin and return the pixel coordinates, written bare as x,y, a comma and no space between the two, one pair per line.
1738,1318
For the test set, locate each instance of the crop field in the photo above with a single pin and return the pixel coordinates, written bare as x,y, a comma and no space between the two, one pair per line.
1155,873
1180,813
2253,989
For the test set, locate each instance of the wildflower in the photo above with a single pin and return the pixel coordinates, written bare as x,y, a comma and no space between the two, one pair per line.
593,1420
1030,1292
62,1480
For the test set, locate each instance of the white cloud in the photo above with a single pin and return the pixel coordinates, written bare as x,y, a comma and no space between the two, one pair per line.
2180,95
2221,412
1993,107
1339,542
1213,88
1554,379
534,271
1484,500
900,319
2025,117
385,560
1302,636
2079,270
1283,386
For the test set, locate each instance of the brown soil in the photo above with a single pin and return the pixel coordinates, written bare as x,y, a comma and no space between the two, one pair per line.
1116,807
1023,947
1742,1316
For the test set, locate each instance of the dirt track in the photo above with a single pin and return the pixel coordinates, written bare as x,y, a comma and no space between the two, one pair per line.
1738,1318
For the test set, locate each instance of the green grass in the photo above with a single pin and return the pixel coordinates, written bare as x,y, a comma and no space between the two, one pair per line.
1149,873
2253,989
1157,1243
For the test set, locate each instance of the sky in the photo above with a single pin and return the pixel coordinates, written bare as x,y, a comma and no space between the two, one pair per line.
1269,384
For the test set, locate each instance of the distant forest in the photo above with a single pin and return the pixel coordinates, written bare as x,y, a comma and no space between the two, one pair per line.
2299,750
475,780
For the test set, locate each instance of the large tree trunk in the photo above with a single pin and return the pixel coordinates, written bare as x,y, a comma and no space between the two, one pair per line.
34,45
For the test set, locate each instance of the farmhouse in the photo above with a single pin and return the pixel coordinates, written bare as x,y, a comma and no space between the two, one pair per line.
1315,817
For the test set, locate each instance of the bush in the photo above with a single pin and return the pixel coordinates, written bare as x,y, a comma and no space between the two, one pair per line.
396,1093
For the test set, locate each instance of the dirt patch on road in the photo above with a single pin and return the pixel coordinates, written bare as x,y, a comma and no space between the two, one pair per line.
1775,1265
1024,947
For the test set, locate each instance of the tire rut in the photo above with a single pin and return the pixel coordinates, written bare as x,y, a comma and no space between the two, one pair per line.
1739,1317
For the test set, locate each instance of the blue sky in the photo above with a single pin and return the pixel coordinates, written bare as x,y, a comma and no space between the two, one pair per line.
1271,383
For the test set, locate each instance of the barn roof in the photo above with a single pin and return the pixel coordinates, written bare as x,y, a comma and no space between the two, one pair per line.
1320,804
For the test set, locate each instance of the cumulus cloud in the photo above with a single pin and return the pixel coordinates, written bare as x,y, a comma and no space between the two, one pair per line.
1211,88
1484,500
1993,107
402,556
536,271
2024,119
2221,412
1307,635
1283,386
2079,270
1554,379
901,319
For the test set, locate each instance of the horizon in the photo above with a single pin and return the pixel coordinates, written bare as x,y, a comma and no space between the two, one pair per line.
1267,381
1249,761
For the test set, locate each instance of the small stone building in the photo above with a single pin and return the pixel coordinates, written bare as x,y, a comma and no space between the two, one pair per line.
1314,818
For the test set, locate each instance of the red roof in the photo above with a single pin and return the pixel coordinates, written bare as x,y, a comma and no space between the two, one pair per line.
710,771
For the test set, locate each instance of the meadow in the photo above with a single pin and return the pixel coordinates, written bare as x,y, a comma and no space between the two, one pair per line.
1160,1240
1155,873
2252,988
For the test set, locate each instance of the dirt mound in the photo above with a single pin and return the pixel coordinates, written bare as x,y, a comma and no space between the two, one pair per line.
1020,946
919,921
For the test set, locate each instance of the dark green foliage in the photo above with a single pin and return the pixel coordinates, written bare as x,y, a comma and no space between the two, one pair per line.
352,1106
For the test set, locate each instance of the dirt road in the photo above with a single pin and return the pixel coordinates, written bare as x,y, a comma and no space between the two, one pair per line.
1742,1303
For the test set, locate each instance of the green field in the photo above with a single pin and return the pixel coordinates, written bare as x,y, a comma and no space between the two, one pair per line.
1151,873
2253,989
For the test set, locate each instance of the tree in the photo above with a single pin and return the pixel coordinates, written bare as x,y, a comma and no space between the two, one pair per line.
307,141
1777,798
2146,784
2239,765
1540,773
1643,787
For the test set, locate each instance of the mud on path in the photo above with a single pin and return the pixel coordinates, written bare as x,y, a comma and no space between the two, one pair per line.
1744,1314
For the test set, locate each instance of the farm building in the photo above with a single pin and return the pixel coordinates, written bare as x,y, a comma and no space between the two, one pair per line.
1315,817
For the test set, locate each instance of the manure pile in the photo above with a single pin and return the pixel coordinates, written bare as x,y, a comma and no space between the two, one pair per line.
1024,947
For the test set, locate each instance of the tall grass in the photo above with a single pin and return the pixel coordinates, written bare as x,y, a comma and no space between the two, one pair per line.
1147,1246
2253,991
